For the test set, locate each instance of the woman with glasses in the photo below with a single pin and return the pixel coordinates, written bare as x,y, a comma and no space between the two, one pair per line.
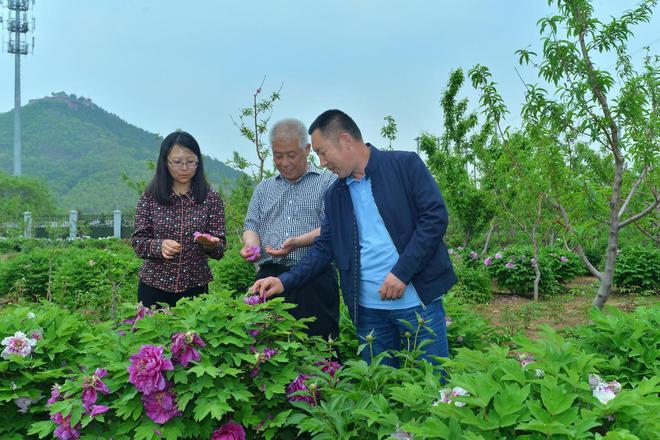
179,224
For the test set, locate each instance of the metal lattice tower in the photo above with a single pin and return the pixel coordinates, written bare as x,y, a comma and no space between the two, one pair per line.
18,27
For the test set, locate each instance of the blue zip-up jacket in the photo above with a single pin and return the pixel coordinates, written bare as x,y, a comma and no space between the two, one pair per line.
414,214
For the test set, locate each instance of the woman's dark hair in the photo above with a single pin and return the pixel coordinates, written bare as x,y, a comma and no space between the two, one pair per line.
161,185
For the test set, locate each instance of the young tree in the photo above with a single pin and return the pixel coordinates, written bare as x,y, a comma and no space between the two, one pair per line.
454,161
253,124
389,131
604,125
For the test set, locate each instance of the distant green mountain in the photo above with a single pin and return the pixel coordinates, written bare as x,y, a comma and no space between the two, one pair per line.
80,151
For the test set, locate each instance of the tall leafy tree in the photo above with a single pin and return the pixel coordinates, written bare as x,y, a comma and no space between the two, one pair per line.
603,124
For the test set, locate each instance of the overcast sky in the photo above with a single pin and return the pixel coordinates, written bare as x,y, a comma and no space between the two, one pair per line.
165,64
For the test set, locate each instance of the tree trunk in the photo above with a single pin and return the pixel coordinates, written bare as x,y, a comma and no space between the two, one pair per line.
607,279
490,232
537,271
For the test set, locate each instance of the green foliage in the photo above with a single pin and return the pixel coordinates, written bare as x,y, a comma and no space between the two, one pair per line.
630,343
474,285
54,358
539,391
88,275
20,194
638,268
29,274
232,272
230,381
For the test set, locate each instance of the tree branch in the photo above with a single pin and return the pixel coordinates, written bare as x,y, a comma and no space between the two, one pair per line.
639,215
633,190
580,251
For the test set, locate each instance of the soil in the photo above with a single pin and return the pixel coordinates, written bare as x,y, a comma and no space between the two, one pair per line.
514,313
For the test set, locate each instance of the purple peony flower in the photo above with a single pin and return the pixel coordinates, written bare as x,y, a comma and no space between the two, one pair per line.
253,299
161,405
474,255
65,431
140,313
183,350
488,261
498,256
254,333
19,344
299,385
229,431
54,394
146,369
509,265
329,366
92,384
563,259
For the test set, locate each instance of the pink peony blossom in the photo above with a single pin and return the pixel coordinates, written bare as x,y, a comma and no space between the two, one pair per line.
183,347
603,391
563,259
253,252
253,299
488,261
161,405
510,265
474,255
146,369
37,334
447,394
198,234
498,256
229,431
19,344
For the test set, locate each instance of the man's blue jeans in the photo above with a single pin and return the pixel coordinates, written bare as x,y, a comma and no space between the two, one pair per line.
388,331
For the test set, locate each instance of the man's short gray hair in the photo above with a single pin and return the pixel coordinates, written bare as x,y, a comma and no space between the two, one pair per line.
290,129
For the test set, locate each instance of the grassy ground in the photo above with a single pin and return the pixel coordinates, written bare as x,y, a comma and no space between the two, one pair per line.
513,313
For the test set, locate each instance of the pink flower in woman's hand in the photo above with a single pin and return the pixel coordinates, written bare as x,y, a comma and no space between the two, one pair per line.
229,431
198,234
253,253
146,369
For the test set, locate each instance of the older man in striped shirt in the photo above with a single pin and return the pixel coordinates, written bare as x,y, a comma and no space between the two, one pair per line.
284,218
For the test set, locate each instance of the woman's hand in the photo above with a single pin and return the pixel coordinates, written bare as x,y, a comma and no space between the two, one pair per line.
170,248
207,241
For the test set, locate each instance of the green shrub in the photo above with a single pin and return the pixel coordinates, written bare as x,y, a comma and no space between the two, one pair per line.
58,334
630,342
638,268
514,270
234,379
86,277
29,274
232,272
474,286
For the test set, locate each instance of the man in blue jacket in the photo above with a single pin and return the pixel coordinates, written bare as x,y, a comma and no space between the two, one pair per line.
383,227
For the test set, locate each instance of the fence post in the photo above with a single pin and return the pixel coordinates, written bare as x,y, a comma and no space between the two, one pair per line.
73,224
116,223
27,229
